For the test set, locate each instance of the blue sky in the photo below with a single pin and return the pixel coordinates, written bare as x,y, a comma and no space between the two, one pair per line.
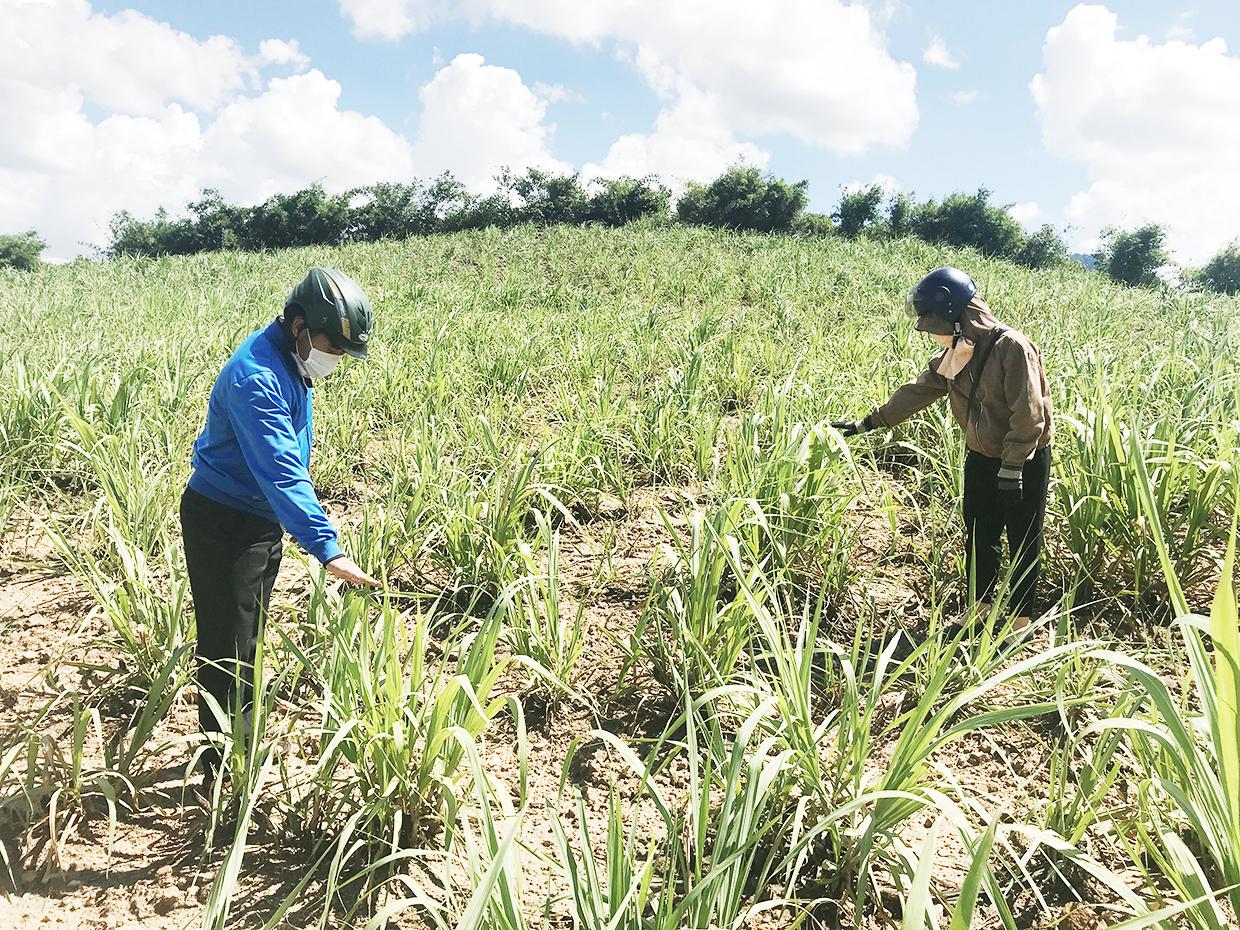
563,85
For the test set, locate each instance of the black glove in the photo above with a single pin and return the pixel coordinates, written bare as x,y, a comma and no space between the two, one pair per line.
1009,487
853,427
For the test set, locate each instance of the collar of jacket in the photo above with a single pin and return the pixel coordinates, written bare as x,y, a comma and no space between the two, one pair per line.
275,335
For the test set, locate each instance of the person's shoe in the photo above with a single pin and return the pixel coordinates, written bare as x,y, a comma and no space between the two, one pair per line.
1020,630
960,630
204,790
209,767
969,626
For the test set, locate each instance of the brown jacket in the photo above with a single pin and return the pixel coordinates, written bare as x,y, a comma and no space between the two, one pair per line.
1012,414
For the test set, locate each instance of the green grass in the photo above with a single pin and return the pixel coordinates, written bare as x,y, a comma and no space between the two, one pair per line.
524,388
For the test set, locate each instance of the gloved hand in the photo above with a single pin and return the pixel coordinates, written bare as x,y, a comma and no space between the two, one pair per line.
1009,487
853,427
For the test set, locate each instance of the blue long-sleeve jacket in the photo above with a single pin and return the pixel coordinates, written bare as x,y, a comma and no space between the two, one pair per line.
254,453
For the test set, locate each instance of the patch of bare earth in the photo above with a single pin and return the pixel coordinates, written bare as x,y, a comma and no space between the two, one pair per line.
154,871
150,869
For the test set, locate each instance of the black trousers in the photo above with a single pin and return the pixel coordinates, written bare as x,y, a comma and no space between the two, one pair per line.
985,521
233,558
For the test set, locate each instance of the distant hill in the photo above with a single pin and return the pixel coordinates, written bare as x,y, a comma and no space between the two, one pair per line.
1087,260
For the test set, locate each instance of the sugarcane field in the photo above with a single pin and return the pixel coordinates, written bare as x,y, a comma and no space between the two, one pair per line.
625,551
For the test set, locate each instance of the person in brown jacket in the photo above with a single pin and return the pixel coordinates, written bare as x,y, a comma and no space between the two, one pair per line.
995,381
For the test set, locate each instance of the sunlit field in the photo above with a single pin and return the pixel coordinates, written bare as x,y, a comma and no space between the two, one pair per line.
656,648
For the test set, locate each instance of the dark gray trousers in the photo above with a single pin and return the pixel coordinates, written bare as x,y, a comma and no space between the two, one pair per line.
986,521
233,558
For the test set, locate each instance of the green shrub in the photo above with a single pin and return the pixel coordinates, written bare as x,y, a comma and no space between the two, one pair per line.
743,198
1044,249
813,225
858,210
900,216
547,199
308,217
623,200
21,251
397,211
1133,256
969,220
1222,272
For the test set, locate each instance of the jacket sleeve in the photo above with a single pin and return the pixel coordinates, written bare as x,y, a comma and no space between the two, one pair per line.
909,398
1022,389
264,426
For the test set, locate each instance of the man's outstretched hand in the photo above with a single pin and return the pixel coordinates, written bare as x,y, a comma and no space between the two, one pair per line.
349,572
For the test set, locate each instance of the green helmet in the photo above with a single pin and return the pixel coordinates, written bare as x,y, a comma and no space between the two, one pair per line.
332,301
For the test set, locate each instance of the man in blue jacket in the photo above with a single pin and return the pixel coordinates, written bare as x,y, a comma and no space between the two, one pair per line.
251,482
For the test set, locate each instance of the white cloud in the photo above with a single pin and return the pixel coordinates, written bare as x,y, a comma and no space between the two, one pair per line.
254,147
174,114
45,127
937,54
962,98
689,142
279,52
1181,30
887,10
382,19
479,118
885,182
126,62
1026,213
828,81
557,93
106,112
294,134
1157,126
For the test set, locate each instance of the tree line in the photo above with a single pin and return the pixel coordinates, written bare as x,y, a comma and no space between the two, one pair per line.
742,198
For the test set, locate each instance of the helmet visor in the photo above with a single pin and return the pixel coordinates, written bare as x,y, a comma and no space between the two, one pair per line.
911,306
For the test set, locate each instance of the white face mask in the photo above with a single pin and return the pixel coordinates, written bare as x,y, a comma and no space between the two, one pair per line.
320,364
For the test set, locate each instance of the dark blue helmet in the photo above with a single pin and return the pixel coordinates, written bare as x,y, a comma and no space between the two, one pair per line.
944,292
